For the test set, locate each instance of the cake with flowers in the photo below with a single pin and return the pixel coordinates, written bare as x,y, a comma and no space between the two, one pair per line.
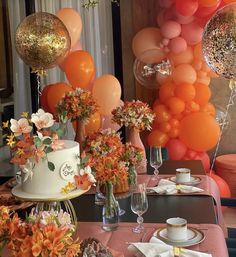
49,167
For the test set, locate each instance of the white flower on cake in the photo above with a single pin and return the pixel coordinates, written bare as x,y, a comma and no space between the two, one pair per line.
42,119
20,127
87,171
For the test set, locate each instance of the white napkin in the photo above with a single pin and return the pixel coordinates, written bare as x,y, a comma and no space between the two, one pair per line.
157,248
168,187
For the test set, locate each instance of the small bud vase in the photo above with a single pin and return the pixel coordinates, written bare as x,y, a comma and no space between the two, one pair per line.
110,212
134,139
80,133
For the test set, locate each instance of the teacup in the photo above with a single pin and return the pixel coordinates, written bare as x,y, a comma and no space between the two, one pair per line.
177,229
183,175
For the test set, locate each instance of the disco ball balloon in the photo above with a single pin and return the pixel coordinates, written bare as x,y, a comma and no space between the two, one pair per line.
219,42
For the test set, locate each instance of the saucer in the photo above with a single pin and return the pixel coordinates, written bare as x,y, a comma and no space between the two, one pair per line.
22,195
193,181
194,236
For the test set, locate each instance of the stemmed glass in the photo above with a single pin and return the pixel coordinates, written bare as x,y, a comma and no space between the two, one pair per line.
139,205
155,159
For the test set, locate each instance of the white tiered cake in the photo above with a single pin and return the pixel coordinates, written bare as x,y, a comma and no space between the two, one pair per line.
45,183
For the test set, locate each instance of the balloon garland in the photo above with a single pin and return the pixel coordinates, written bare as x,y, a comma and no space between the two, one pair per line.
185,120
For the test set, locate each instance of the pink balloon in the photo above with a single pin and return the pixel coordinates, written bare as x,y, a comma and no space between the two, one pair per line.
108,123
192,33
186,7
183,19
191,154
170,29
177,45
176,149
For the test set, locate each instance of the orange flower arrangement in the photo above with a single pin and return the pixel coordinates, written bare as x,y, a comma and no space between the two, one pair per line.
47,235
77,105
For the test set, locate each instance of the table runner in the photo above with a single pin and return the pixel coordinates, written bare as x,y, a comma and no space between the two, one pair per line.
214,242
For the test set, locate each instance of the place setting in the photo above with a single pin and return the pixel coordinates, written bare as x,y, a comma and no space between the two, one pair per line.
170,241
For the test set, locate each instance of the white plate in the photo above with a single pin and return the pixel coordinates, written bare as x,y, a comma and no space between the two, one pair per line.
19,193
194,236
193,181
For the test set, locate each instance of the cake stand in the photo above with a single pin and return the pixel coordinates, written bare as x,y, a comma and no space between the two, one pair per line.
47,202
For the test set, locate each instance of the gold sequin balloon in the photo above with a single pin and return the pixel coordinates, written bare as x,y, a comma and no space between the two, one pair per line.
219,42
42,41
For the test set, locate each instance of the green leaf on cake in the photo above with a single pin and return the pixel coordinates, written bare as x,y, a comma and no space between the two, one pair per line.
84,160
47,141
37,142
48,150
51,166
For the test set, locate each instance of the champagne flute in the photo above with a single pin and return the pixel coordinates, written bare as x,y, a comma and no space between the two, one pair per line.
139,205
155,159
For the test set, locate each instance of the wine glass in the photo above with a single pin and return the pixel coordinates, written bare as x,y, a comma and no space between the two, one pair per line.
139,205
155,159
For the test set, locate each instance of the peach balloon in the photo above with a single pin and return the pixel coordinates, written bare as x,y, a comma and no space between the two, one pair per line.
203,94
177,45
203,80
175,105
146,39
192,33
209,109
183,57
73,23
185,91
197,51
199,131
170,29
184,73
79,68
157,138
55,93
107,92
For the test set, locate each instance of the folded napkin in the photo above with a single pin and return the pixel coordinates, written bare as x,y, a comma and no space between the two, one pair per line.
157,248
168,187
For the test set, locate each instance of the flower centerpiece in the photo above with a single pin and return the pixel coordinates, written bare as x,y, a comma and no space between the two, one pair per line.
78,106
44,234
137,116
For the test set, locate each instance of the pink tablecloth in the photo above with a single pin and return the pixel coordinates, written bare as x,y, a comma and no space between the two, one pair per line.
214,242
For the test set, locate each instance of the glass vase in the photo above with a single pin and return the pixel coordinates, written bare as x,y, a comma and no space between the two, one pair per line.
99,196
110,212
132,177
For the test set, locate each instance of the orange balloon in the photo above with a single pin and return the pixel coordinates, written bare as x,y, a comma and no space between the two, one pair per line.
222,184
209,109
185,91
79,68
166,91
165,127
55,93
73,23
208,3
174,122
162,114
146,39
199,131
107,92
175,105
197,64
183,57
43,99
157,138
191,107
197,51
230,1
184,73
203,80
203,94
173,133
93,124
